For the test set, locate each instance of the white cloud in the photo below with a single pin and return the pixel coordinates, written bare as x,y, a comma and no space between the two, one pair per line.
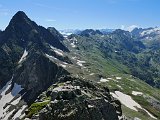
122,27
129,28
50,20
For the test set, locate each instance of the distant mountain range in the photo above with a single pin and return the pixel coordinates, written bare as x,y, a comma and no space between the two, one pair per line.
77,31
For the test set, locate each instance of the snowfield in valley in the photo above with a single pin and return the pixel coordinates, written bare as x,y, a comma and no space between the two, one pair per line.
129,102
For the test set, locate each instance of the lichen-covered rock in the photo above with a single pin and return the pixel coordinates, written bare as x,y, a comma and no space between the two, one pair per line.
84,102
96,109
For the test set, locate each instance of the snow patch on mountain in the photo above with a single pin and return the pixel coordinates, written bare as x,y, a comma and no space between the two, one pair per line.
129,102
80,63
57,51
126,100
92,74
104,80
118,78
51,57
19,113
64,66
73,42
73,45
136,93
6,116
15,102
25,53
149,31
7,96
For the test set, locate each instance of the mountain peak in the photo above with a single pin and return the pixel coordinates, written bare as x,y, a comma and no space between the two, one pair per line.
19,20
20,16
20,13
20,23
22,29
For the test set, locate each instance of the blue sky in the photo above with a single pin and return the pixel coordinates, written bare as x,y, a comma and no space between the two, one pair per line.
81,14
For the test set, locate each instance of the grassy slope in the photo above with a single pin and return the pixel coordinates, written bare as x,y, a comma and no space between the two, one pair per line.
96,63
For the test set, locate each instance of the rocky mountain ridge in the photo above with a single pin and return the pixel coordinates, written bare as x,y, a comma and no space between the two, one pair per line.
34,65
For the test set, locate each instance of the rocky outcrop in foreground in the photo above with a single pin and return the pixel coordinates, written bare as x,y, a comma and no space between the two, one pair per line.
75,99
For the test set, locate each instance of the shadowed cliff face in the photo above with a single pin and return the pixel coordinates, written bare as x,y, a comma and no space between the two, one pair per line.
36,74
23,34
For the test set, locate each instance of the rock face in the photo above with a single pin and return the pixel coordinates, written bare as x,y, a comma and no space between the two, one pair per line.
55,32
72,99
23,34
96,109
36,75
